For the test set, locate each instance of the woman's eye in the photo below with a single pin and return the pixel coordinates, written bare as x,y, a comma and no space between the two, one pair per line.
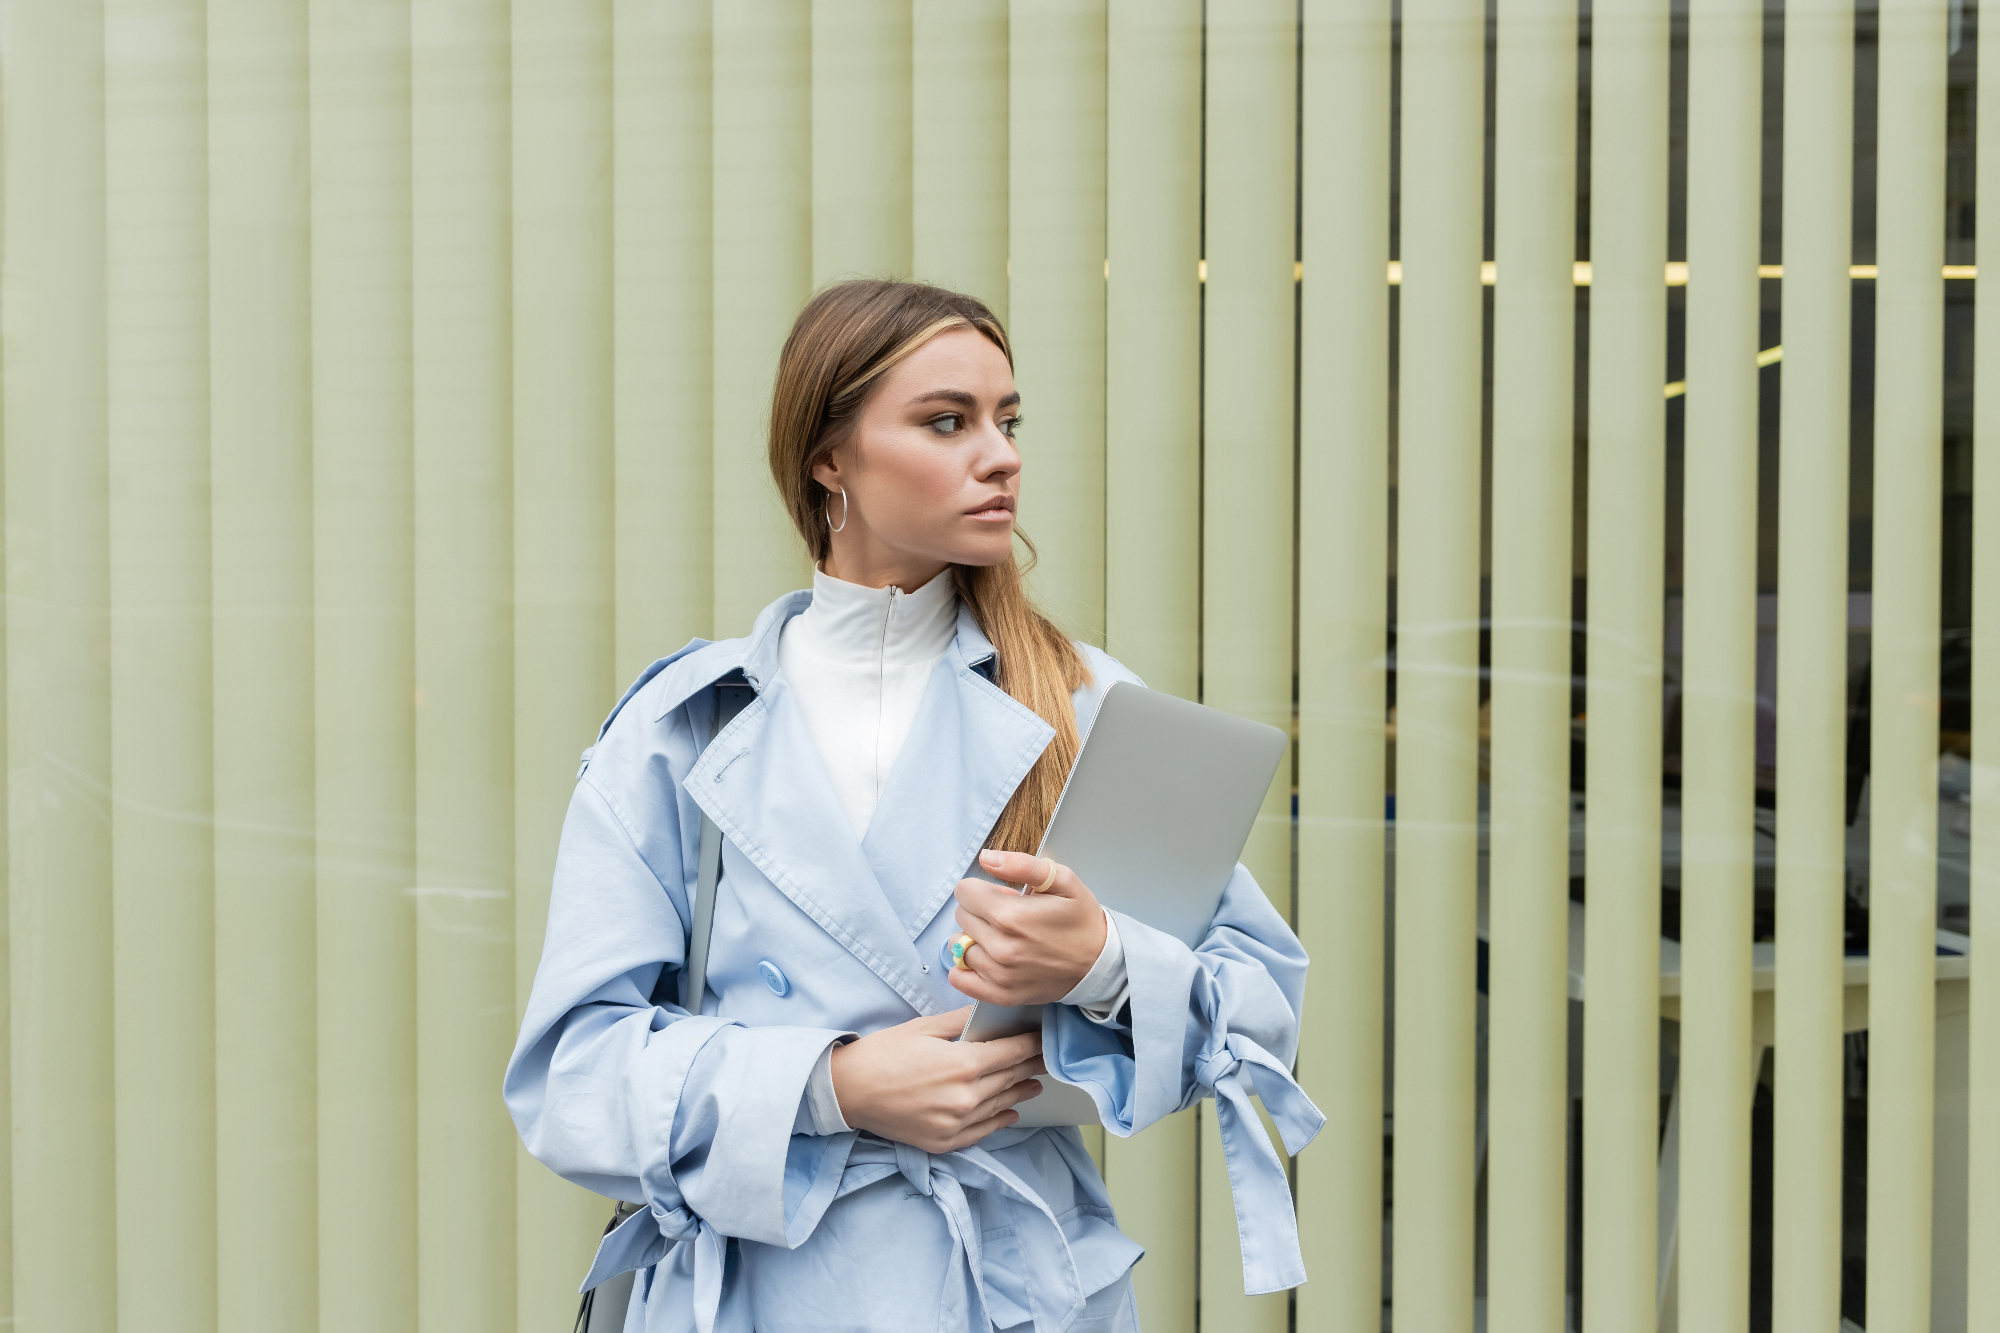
1010,425
948,424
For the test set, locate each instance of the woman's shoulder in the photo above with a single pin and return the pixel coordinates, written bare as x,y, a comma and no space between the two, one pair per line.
652,719
1105,670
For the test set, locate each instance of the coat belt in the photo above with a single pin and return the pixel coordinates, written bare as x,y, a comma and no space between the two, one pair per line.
1053,1288
1258,1187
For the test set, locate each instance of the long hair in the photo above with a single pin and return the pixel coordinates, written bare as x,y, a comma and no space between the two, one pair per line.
842,343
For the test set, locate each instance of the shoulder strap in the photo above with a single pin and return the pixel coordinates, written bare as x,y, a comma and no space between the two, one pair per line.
730,698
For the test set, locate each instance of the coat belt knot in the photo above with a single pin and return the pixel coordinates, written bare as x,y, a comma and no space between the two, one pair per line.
1258,1187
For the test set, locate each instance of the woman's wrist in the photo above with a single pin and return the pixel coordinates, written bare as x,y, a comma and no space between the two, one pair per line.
1103,989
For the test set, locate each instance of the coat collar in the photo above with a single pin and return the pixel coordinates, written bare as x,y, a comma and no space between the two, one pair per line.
762,783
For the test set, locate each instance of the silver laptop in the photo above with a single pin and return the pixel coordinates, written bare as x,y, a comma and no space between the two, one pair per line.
1153,819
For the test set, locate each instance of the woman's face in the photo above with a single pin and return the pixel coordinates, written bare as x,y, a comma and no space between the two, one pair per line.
930,469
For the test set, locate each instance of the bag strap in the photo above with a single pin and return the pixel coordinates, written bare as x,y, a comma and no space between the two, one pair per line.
729,701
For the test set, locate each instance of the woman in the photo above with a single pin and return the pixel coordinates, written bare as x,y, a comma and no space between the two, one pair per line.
812,1147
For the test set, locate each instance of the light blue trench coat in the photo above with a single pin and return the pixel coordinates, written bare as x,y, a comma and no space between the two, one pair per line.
750,1220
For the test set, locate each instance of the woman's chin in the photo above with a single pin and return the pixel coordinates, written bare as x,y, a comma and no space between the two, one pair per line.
984,555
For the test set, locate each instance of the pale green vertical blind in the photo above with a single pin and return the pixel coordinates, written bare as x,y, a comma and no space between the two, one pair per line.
1627,495
1152,503
162,909
1436,573
359,72
383,383
1719,672
1533,438
1902,852
1343,473
1246,550
261,540
1812,587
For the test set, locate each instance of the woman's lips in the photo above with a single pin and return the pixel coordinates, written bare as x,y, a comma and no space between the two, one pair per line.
992,514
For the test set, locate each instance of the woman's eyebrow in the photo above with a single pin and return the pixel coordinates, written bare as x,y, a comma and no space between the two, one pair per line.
958,396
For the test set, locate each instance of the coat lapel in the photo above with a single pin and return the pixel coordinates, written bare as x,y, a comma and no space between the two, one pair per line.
762,783
968,749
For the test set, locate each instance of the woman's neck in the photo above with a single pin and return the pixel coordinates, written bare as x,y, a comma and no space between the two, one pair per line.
879,569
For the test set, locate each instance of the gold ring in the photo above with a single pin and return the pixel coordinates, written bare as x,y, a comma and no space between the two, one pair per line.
958,944
1043,887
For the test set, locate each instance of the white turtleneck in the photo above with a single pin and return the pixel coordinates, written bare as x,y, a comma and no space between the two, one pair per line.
858,660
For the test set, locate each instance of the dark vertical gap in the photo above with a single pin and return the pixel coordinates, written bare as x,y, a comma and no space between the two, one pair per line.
1489,204
1955,522
1298,371
1389,652
1201,541
1579,601
1298,368
1674,491
1762,1128
1489,200
1854,1180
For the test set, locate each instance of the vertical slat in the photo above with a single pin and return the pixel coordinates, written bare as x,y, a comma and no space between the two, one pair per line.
1436,659
1812,665
1982,1230
1719,661
1152,514
861,117
7,1045
1534,351
1247,393
59,737
1152,339
1248,457
162,850
1628,229
459,375
563,621
1903,660
363,525
663,364
958,141
1056,150
1343,630
260,469
762,195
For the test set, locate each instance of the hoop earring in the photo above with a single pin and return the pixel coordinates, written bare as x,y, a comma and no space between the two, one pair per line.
843,514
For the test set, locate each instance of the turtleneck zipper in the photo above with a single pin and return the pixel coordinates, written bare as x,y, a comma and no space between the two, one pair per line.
882,679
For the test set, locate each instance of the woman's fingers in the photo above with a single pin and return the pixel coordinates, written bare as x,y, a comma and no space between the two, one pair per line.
1011,1095
1004,1052
1039,874
967,981
975,1133
948,1026
995,1114
988,1085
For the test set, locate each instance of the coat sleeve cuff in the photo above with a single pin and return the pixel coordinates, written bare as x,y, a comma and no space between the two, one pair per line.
1107,987
819,1108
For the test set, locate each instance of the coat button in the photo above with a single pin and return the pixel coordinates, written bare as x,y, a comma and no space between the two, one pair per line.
774,978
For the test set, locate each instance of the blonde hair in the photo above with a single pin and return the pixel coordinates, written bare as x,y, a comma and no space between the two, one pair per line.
843,342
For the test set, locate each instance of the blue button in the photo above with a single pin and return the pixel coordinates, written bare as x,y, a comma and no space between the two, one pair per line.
945,960
774,978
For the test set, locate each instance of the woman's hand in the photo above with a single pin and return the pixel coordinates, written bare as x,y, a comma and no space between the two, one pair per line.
916,1083
1026,948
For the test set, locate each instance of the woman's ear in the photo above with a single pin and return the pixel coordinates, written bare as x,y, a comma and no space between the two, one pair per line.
826,471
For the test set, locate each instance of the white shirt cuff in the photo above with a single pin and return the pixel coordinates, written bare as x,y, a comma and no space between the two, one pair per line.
1106,987
819,1108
